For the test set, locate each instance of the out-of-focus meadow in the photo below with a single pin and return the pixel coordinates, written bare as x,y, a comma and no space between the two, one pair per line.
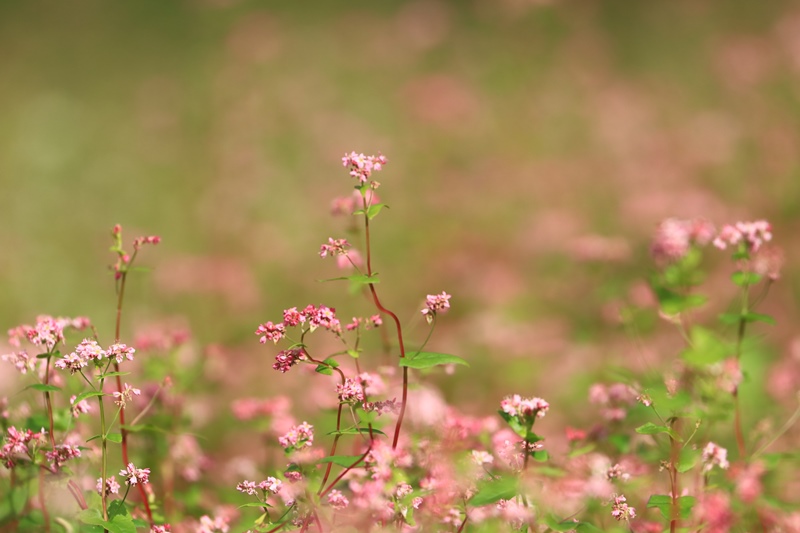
533,148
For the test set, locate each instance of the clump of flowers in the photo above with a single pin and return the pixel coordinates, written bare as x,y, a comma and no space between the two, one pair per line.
621,510
748,235
299,437
362,166
435,303
135,475
714,455
674,238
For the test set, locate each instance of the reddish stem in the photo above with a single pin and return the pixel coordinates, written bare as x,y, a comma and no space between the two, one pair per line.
345,471
45,514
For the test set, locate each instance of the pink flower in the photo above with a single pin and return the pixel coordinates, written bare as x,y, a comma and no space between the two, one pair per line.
337,500
135,475
61,454
271,484
525,408
436,303
751,234
247,487
271,332
298,437
714,455
621,510
124,396
334,247
21,360
161,529
350,391
361,166
674,238
152,239
112,487
120,352
286,359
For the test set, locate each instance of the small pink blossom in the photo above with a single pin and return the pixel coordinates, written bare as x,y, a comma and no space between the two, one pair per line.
361,166
751,234
247,487
525,408
271,484
621,510
286,359
350,391
166,528
436,303
218,524
334,247
271,332
61,454
21,360
151,239
124,396
112,487
714,455
135,475
337,500
298,437
674,238
120,352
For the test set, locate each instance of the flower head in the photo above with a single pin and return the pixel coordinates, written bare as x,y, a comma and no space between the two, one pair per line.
112,487
362,166
714,455
436,303
135,475
751,235
621,510
298,437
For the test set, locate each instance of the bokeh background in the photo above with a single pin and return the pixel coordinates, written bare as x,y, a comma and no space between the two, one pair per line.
533,147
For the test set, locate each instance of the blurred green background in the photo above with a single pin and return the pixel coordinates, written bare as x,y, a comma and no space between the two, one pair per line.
533,148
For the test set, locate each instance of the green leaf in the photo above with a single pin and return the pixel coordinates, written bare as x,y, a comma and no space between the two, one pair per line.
582,450
503,488
93,437
86,395
344,461
324,370
514,423
255,504
374,209
540,456
744,279
111,375
760,317
651,429
421,360
706,348
91,516
688,458
55,354
357,431
559,525
43,388
138,428
357,279
114,437
673,303
663,503
586,527
621,442
353,353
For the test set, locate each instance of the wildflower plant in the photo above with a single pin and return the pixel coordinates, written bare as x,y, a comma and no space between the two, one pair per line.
668,451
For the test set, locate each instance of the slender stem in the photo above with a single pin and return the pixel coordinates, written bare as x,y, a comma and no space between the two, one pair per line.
48,402
45,514
396,323
124,432
345,471
675,449
104,456
737,417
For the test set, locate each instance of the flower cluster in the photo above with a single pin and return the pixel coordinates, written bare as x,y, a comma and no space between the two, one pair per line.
334,247
271,332
621,510
151,239
46,334
526,409
372,322
752,235
135,475
614,399
271,485
16,444
125,395
286,359
436,303
89,350
337,500
362,166
61,454
714,455
298,437
112,487
350,391
80,407
674,237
